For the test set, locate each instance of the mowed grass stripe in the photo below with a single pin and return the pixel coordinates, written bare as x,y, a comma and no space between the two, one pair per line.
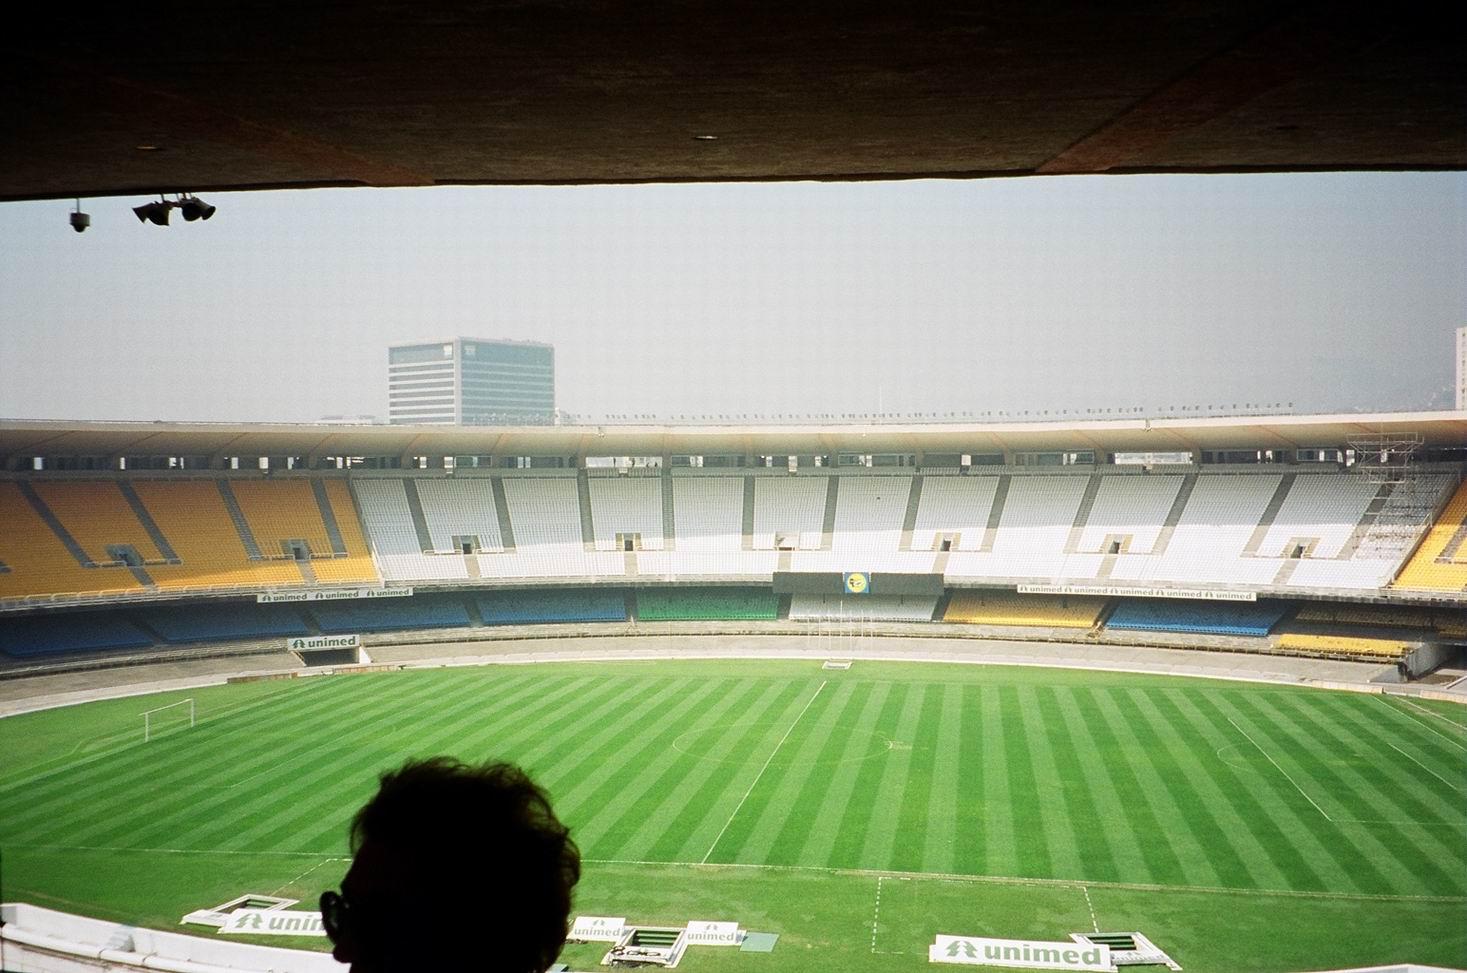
324,779
1296,833
1111,845
842,741
987,827
1364,716
1414,854
855,818
1237,855
1280,819
1174,853
945,793
660,832
899,787
724,780
328,790
829,798
1046,790
608,816
168,778
787,780
922,801
607,778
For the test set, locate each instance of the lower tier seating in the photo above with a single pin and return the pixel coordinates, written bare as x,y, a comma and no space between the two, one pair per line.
1011,608
1347,645
887,608
40,635
706,604
212,623
387,614
1197,617
531,606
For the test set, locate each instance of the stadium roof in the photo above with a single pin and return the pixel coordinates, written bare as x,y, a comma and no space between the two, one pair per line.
239,94
63,439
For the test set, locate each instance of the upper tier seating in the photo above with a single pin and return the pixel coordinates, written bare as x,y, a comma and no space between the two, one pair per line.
953,505
97,516
869,512
1440,563
547,605
545,513
1201,617
1323,506
1213,530
460,508
626,505
1011,608
1133,507
38,563
709,512
706,604
37,635
789,507
389,523
1038,514
357,564
193,516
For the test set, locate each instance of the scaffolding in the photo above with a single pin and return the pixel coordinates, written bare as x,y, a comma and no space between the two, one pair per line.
1407,498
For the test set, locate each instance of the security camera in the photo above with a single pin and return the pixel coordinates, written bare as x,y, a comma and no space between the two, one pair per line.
80,221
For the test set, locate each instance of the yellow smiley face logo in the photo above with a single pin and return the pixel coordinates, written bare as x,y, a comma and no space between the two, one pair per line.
855,583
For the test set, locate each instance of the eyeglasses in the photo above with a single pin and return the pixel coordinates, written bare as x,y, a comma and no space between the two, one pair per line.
335,915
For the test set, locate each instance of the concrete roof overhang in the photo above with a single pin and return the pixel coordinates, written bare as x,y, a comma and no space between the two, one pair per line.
249,94
62,439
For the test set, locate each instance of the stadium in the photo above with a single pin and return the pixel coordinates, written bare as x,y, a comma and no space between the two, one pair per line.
1036,687
761,678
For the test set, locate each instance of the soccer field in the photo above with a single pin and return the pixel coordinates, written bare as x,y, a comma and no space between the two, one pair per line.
855,813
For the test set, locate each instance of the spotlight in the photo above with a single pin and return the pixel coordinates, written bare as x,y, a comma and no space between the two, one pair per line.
79,220
155,213
194,208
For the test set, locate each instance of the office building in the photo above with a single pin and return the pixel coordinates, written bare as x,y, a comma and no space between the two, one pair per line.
470,381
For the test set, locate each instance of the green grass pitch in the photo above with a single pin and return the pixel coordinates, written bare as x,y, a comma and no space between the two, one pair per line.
856,813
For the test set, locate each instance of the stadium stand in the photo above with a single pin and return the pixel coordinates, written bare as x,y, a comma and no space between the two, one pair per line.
886,608
1197,617
1348,646
1440,563
626,505
954,505
709,512
1321,508
706,604
542,606
394,536
869,512
389,614
792,508
460,508
355,565
1213,530
211,623
1129,511
1038,513
211,543
97,515
1011,608
38,561
44,635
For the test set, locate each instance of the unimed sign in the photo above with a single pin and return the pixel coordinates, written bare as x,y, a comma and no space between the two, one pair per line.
274,922
1020,954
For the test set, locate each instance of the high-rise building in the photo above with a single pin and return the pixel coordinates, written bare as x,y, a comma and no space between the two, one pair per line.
1461,369
470,381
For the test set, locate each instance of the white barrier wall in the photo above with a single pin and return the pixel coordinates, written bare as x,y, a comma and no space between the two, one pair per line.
37,940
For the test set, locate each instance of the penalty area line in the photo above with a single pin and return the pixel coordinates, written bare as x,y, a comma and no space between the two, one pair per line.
1421,722
738,807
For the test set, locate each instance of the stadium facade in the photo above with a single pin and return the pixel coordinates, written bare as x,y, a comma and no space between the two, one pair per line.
470,381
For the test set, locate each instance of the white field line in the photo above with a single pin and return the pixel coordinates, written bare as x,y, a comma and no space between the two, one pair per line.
1422,766
1095,924
770,760
1415,719
1282,771
1431,712
1036,882
183,851
876,912
324,861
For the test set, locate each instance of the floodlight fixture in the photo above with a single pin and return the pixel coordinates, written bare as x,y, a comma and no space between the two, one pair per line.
79,220
194,208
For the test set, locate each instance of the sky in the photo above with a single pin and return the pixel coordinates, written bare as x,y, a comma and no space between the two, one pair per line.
1330,291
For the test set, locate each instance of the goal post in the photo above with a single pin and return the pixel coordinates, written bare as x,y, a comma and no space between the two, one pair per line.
153,723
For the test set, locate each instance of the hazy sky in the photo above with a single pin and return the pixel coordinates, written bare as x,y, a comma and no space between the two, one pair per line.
1333,291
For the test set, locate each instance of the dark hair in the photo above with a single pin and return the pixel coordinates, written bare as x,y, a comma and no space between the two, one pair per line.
492,866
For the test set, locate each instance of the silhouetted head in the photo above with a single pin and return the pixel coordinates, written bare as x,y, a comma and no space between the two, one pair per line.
454,867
